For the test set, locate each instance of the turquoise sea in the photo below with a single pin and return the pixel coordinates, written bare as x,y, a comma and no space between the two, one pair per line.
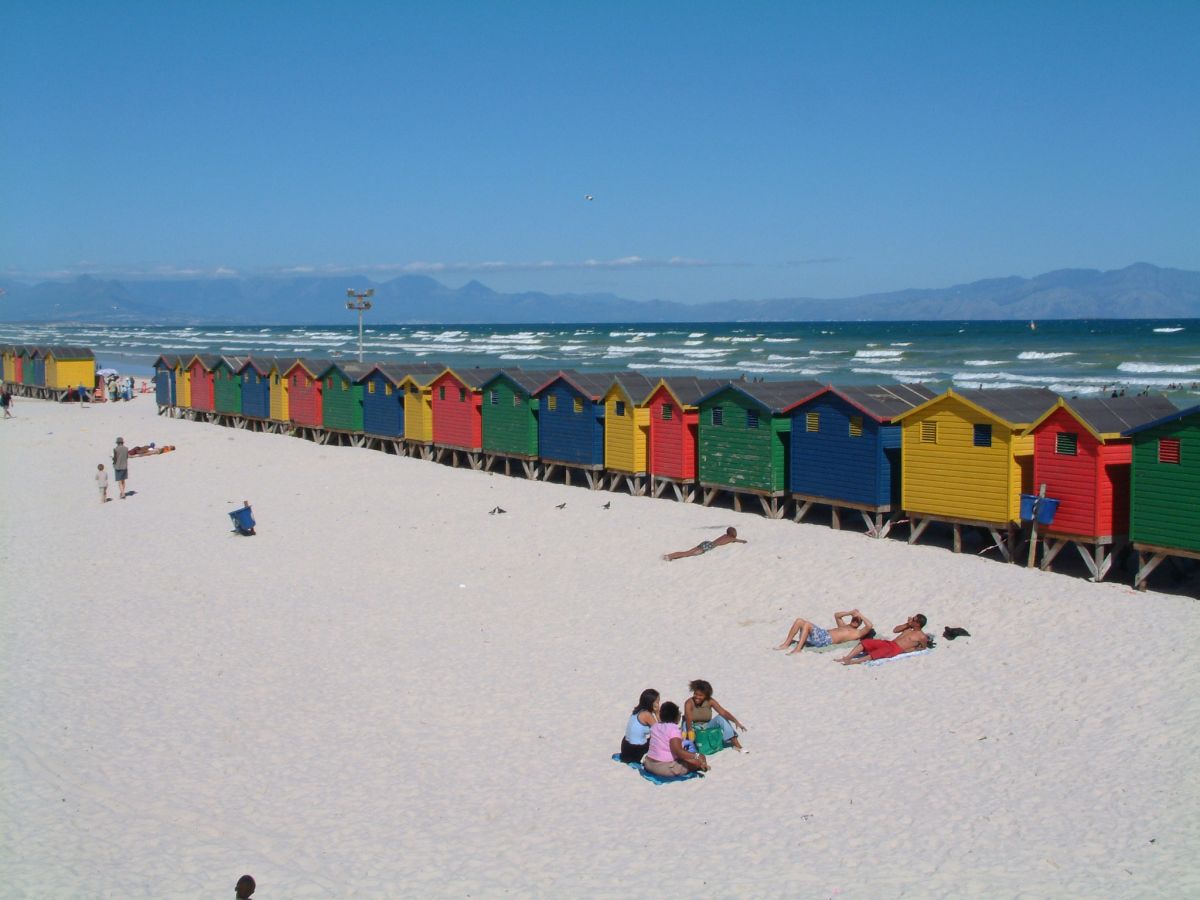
1073,357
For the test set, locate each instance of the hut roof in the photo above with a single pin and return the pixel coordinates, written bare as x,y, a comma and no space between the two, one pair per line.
1109,417
262,366
234,362
355,371
171,359
313,367
65,352
687,391
472,378
396,372
1014,407
774,396
592,385
523,378
635,385
1165,420
208,360
882,402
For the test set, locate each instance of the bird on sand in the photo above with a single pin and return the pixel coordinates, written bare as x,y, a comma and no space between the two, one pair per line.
561,505
607,505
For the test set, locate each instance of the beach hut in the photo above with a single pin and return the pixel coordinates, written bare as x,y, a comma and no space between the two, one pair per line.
418,410
744,440
1164,517
510,420
456,399
571,425
166,369
845,451
20,357
674,425
69,367
279,417
305,394
200,374
9,355
383,403
1082,458
255,375
965,459
35,368
342,407
227,388
627,432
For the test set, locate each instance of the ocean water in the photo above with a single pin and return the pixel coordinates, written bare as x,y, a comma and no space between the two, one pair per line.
1074,358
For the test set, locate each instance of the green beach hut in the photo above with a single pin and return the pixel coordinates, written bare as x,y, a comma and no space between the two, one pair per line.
1164,490
342,410
744,441
227,386
510,420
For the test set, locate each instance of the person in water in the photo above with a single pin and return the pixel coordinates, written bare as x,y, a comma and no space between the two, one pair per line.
909,637
702,708
851,626
637,729
666,756
729,537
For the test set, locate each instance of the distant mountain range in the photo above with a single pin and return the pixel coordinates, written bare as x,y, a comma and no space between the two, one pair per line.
1139,291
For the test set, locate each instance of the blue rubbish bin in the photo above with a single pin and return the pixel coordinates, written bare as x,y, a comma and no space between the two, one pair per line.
1045,509
243,520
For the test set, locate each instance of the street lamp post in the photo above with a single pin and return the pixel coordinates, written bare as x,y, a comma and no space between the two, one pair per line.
359,302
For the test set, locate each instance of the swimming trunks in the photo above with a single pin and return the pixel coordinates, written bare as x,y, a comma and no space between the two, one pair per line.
705,546
877,649
818,637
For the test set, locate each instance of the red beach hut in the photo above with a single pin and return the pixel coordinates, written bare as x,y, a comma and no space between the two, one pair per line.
200,371
305,392
1082,459
674,421
457,400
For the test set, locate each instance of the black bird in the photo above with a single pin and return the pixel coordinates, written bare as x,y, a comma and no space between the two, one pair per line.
561,505
501,511
607,505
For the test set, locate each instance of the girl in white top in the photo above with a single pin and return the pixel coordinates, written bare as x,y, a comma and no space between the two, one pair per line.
637,729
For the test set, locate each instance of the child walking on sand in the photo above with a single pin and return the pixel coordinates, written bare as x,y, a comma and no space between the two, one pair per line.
102,482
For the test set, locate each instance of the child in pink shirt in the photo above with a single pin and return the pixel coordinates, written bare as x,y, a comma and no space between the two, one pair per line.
666,756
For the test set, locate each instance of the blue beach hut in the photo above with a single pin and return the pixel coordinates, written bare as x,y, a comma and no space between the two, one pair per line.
845,451
165,387
571,424
383,401
256,388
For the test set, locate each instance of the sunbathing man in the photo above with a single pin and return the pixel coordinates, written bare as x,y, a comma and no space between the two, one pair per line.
909,637
851,626
729,537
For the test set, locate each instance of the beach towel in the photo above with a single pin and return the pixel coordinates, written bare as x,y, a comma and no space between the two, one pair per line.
880,662
651,777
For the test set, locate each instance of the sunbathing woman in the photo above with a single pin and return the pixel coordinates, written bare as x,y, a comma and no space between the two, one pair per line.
702,708
666,756
637,730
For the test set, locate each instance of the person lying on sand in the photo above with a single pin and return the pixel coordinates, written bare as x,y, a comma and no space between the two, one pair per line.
909,637
729,537
151,450
851,626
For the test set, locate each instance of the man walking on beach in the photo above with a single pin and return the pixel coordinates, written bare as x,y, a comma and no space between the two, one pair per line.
120,465
729,537
851,626
6,401
909,637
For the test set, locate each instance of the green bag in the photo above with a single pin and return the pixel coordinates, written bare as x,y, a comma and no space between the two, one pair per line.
708,739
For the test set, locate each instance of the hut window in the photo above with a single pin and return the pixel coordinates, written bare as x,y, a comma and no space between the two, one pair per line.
276,376
752,418
370,387
578,404
412,389
812,421
329,383
493,397
983,436
517,399
856,426
718,415
387,390
345,385
929,432
1066,443
441,392
1168,451
620,407
667,412
552,402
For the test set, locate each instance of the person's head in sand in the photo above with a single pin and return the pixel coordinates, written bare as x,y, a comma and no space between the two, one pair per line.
245,887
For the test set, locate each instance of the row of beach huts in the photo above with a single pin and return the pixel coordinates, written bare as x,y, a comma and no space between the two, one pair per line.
1115,470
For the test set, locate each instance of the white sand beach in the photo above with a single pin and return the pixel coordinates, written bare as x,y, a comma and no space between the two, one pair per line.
389,692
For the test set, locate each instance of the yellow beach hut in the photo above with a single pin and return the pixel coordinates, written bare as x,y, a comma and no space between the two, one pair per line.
277,388
9,353
69,367
418,411
965,460
627,432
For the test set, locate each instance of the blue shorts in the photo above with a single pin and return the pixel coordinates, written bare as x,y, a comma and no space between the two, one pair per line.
818,637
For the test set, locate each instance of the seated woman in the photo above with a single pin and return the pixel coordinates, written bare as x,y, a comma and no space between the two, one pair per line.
637,730
701,708
666,756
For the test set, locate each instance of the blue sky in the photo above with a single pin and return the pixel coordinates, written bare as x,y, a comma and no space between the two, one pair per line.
732,150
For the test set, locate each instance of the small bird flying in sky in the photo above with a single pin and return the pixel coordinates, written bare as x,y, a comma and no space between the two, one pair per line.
588,197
